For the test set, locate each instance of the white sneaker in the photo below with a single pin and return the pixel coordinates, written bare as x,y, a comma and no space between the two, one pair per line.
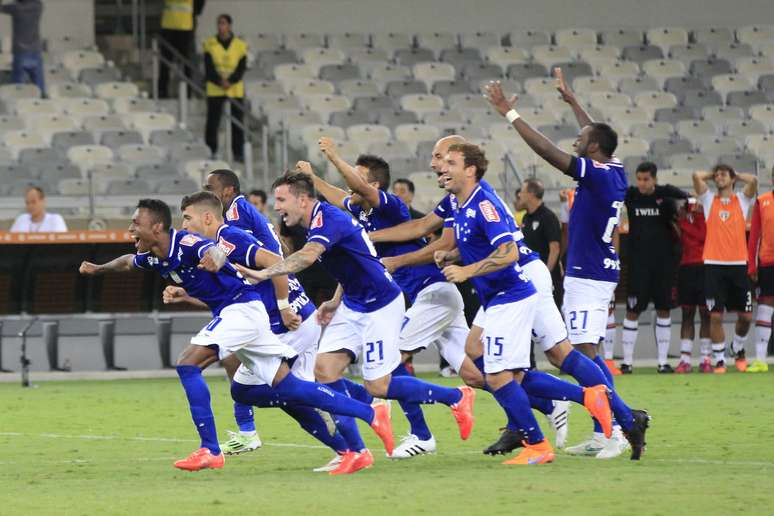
330,466
448,372
616,445
589,448
411,446
558,419
238,443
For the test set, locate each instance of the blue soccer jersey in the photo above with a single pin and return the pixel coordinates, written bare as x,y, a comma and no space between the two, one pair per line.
594,216
351,258
391,212
240,247
218,290
481,226
448,204
243,215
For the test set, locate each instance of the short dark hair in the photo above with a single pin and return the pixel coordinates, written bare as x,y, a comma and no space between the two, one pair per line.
604,136
204,197
37,189
259,193
534,186
474,157
159,210
378,169
647,166
403,181
227,178
226,17
298,183
724,166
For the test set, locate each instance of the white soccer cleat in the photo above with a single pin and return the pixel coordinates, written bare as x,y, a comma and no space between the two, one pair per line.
616,445
239,443
411,446
589,448
330,466
558,419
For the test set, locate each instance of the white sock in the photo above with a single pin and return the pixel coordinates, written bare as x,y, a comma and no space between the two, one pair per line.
705,346
763,331
629,340
686,347
737,345
610,336
248,434
663,338
719,351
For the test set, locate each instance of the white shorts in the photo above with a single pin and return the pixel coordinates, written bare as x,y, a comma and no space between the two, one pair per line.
585,308
243,329
507,335
373,335
437,317
548,329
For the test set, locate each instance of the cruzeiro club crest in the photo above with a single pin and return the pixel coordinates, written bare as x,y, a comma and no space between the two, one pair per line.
724,215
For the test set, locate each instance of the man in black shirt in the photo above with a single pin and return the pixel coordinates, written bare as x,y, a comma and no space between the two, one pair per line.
540,225
404,188
651,247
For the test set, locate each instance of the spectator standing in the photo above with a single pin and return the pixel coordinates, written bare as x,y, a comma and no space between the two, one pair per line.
178,28
225,62
27,47
37,220
258,199
404,189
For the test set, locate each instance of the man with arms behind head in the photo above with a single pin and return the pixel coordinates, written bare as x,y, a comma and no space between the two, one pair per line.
726,284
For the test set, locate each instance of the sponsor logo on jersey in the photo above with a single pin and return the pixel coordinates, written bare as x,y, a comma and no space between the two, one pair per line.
535,225
190,240
317,222
226,246
488,211
232,213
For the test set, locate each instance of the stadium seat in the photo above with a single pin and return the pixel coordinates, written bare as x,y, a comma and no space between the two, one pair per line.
413,134
665,37
437,41
107,171
93,77
66,139
176,186
345,119
741,162
674,115
632,86
384,73
460,58
16,141
340,72
688,160
395,118
743,128
307,87
524,71
68,89
270,58
528,38
311,134
621,37
593,84
651,130
448,88
734,52
444,120
396,89
469,103
689,53
353,88
763,113
127,187
431,72
713,37
52,172
262,41
112,90
606,100
12,92
97,124
575,37
506,56
550,55
699,99
671,146
367,58
348,40
391,41
198,169
631,147
316,57
115,139
573,70
693,129
73,187
754,67
663,69
47,125
81,108
482,71
289,73
712,148
594,53
650,101
557,132
153,171
719,114
560,110
619,70
480,40
164,137
537,117
304,40
389,150
422,104
626,117
641,53
10,123
34,156
726,83
136,155
364,135
86,156
706,69
76,60
678,85
541,88
745,99
146,123
755,34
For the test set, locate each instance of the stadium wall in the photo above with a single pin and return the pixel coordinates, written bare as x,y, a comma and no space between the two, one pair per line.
61,18
294,16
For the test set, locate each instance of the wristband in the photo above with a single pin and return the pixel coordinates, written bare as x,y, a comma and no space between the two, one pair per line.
512,116
283,304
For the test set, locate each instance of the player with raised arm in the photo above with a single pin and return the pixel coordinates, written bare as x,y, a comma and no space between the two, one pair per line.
239,326
761,270
592,263
240,213
363,319
203,214
436,315
726,284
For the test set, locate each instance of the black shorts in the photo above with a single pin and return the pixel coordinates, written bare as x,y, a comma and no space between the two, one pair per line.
765,286
727,287
649,280
690,285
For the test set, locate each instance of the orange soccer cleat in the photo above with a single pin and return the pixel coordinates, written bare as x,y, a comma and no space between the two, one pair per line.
201,459
540,453
613,368
597,401
352,462
383,426
463,411
720,367
741,363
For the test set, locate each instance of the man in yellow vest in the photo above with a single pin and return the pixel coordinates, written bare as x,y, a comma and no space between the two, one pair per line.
178,25
225,62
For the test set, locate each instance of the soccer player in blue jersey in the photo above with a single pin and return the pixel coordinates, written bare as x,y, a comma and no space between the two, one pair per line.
240,213
592,263
436,315
203,214
363,320
239,326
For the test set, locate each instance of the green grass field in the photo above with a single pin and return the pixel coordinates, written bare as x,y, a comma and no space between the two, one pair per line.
108,447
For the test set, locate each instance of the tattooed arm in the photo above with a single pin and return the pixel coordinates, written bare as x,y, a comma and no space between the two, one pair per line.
506,254
296,262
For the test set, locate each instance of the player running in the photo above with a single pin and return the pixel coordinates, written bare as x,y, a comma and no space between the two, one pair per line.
651,246
726,284
592,263
367,325
690,287
239,326
761,270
